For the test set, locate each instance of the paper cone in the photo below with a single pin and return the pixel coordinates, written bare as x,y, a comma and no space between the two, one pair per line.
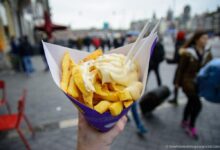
102,122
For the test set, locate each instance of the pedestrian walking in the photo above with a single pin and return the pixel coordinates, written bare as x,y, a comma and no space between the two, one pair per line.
14,53
192,57
180,40
87,42
96,42
156,58
25,53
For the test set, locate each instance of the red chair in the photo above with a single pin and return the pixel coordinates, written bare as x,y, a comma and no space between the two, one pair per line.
13,121
3,100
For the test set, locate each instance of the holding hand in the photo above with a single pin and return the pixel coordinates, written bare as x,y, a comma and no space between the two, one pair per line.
90,138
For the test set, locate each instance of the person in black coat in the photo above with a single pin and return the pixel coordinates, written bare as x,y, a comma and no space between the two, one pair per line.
14,53
25,53
156,58
87,42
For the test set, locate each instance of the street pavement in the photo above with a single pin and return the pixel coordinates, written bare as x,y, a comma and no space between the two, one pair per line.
54,117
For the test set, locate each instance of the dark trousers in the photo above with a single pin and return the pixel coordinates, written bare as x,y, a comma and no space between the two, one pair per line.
192,109
155,68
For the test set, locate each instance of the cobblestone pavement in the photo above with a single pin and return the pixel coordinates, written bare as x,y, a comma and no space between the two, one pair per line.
55,118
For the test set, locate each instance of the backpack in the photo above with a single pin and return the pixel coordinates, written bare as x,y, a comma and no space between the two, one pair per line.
158,53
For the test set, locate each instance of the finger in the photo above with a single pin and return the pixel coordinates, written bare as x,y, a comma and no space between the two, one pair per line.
121,124
119,127
124,119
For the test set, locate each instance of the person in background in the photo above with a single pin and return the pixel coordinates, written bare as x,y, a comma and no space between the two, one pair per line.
72,43
180,39
16,61
79,43
123,38
140,127
108,43
96,42
192,57
87,42
208,81
157,57
90,139
116,42
25,53
103,43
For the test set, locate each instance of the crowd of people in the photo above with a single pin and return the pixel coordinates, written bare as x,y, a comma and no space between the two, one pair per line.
21,51
96,42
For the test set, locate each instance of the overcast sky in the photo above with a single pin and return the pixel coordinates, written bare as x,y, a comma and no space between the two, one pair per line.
119,13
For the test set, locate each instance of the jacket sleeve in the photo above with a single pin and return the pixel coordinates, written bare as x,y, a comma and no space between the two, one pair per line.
183,64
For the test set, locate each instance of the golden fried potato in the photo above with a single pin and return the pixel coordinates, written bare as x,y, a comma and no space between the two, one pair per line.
102,106
124,95
93,55
88,99
102,92
72,89
116,108
77,76
127,103
78,79
66,61
111,96
99,89
115,87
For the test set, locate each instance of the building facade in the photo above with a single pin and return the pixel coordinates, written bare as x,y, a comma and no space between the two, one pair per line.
18,18
209,21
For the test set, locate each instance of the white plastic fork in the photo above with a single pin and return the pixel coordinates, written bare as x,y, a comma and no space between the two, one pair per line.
140,47
137,42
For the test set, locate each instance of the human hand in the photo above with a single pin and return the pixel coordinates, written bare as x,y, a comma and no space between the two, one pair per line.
89,138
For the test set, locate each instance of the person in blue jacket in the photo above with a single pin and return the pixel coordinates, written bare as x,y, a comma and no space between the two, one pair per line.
208,81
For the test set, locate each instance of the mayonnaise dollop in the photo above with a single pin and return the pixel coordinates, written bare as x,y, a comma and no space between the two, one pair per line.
112,68
87,75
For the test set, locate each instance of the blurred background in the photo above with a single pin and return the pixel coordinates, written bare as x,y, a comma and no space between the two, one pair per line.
88,25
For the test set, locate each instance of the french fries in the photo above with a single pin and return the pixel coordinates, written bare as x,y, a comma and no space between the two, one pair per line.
102,106
127,103
110,96
124,95
65,72
72,89
93,55
78,79
116,108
